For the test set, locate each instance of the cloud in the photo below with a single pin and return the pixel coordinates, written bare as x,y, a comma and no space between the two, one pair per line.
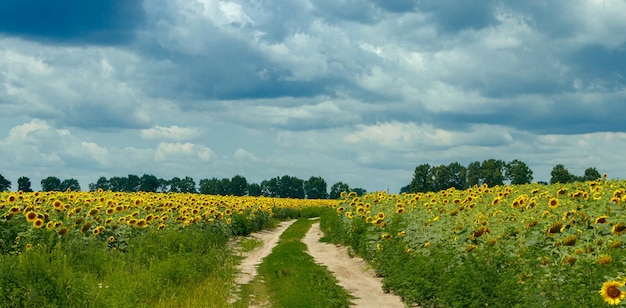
72,22
177,151
174,132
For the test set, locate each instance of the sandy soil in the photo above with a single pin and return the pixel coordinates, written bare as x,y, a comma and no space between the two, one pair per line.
247,268
352,273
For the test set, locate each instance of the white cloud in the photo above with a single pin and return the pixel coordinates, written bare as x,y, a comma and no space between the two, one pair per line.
174,132
242,154
177,151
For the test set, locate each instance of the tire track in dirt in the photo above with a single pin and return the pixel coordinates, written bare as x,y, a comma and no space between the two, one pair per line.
248,267
352,273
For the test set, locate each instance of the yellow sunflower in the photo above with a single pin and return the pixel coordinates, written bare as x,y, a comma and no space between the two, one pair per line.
611,292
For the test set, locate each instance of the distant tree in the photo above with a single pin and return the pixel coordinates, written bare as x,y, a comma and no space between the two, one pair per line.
474,174
458,176
359,191
291,187
421,181
591,174
117,183
315,188
560,174
133,183
4,183
254,190
175,184
164,185
188,185
492,171
101,183
51,183
71,184
23,184
238,185
337,188
269,188
209,186
518,172
149,183
405,189
225,187
440,177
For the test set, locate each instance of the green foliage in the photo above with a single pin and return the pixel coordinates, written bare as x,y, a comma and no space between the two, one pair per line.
505,246
294,279
4,184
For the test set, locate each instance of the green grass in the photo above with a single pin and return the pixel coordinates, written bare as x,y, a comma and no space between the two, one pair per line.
291,277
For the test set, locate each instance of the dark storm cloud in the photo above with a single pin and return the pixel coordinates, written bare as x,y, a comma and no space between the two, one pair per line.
600,66
454,16
106,22
397,6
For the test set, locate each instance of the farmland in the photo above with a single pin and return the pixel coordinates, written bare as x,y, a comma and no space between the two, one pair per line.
518,245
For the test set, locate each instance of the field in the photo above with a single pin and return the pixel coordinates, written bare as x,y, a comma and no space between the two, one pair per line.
505,246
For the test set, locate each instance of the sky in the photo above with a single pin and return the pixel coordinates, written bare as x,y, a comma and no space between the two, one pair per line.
357,91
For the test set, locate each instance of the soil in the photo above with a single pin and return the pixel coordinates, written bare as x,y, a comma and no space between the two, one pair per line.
353,273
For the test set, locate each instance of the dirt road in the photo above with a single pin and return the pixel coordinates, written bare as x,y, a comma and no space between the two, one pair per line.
352,273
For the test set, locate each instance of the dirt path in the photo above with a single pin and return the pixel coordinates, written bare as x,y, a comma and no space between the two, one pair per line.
352,273
247,268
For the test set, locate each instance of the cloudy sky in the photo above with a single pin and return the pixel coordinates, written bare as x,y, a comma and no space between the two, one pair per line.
359,91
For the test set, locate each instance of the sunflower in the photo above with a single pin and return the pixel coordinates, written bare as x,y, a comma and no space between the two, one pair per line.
62,231
38,223
553,203
570,240
618,229
611,292
31,216
601,219
555,228
85,227
605,259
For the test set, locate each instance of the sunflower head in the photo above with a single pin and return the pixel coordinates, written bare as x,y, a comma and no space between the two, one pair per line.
612,292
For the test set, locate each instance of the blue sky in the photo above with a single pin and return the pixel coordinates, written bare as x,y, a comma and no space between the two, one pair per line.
359,91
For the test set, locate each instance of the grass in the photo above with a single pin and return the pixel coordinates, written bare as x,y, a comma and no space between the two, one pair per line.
289,277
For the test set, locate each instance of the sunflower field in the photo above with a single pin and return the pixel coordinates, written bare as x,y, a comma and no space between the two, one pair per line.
530,245
108,249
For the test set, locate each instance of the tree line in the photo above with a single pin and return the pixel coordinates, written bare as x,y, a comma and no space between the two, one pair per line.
490,172
279,187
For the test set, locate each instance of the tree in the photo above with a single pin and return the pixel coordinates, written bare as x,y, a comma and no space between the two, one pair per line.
359,191
149,183
117,183
51,183
4,184
71,184
133,183
315,188
238,185
187,185
254,189
440,177
269,188
474,174
210,186
560,174
23,184
518,172
492,172
291,187
591,174
101,183
457,176
421,181
337,188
